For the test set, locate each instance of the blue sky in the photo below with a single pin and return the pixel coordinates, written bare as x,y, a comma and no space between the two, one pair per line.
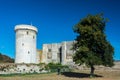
55,19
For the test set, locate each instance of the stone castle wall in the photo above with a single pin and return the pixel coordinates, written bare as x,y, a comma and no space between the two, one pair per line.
11,68
58,52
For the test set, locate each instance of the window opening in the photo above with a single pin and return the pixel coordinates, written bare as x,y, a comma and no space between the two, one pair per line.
33,37
28,52
27,32
22,44
49,50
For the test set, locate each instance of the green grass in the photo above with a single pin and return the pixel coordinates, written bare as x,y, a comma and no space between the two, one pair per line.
77,75
22,74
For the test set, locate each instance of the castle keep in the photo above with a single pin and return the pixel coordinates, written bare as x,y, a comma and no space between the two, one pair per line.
25,44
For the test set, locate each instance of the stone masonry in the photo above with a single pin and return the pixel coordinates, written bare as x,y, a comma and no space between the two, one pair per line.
58,52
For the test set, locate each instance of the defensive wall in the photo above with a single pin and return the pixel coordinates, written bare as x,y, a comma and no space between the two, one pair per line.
11,68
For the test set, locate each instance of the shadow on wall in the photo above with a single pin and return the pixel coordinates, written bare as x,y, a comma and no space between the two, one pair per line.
78,75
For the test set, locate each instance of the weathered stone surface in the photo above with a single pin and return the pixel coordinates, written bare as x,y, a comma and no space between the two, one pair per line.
12,68
51,53
58,52
25,44
21,68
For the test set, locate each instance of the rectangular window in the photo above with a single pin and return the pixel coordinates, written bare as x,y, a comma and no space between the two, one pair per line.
22,44
33,37
49,50
27,32
28,52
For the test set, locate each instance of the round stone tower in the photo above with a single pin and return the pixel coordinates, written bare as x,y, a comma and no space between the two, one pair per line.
25,44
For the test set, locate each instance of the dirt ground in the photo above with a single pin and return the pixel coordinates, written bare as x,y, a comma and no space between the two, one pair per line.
79,75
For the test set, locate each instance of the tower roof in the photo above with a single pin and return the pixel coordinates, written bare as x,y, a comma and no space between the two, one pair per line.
25,27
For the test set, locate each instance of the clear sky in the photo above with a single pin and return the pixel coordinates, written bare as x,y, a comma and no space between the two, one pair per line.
55,19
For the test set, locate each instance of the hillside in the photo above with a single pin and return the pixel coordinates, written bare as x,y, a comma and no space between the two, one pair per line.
5,59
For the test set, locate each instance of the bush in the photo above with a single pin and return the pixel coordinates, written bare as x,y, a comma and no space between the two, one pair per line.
53,67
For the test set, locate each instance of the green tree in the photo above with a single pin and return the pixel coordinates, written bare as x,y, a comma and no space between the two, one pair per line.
91,45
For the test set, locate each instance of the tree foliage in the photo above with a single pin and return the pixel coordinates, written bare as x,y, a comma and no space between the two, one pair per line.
92,47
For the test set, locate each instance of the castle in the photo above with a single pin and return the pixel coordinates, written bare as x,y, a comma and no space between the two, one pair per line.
26,51
28,57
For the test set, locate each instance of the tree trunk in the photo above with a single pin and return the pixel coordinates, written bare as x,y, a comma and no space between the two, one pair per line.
92,71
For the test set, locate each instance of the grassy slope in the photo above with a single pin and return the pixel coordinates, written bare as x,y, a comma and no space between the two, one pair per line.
5,59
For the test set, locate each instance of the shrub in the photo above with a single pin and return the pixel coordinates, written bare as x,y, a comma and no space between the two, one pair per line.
53,67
